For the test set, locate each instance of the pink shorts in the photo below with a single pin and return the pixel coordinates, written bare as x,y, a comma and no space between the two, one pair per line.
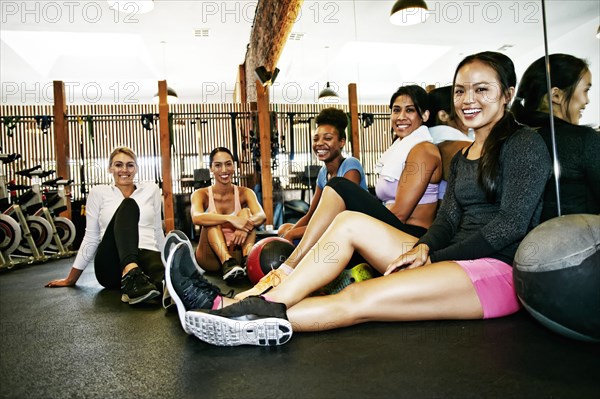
228,231
493,282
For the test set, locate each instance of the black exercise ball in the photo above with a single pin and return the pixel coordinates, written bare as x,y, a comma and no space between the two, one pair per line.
557,275
266,255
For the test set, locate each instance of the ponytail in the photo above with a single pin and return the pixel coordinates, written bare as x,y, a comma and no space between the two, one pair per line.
489,163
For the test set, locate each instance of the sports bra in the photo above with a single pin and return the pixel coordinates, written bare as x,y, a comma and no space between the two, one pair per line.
211,201
386,192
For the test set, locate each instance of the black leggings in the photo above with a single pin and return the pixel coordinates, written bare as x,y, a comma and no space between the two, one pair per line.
359,200
119,247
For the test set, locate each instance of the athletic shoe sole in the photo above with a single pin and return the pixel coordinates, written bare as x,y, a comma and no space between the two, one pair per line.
174,297
132,301
221,331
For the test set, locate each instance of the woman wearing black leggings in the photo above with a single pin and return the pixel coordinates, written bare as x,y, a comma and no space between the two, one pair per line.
407,187
359,200
123,234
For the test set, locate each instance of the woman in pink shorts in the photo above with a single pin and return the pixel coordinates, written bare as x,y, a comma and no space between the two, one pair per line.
228,215
459,269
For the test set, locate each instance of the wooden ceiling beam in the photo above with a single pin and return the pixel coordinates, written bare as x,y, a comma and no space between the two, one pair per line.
273,23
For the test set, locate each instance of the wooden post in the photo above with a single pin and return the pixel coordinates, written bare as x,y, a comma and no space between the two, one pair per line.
165,152
264,126
243,97
353,105
61,139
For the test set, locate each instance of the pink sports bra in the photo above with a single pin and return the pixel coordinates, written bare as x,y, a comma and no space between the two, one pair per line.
211,201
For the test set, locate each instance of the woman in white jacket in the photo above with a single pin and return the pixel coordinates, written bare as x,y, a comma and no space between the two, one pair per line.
123,235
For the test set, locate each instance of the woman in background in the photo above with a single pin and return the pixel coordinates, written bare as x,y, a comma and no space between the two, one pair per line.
229,215
328,141
577,147
123,234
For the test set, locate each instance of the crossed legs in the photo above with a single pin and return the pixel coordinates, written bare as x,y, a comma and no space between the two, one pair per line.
339,195
212,250
330,205
438,291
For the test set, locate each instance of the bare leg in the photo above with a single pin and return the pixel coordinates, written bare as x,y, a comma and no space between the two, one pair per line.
378,242
251,239
330,205
212,248
205,256
217,243
249,243
439,291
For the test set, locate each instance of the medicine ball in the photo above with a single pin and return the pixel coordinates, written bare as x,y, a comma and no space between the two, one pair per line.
557,275
266,255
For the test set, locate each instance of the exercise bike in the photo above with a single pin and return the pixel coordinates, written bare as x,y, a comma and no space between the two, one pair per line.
10,232
57,238
56,202
14,226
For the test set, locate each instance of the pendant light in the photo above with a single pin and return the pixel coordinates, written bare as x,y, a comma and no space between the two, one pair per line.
409,12
327,93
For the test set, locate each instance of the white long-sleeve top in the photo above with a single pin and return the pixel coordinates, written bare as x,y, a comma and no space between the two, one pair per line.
101,205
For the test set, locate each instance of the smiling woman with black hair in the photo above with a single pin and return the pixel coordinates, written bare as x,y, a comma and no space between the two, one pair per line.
229,215
577,147
328,140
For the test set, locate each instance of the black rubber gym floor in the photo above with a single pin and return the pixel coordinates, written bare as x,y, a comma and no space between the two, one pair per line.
84,343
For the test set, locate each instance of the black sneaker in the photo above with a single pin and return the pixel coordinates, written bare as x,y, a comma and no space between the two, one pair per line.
188,288
252,321
171,240
245,264
232,270
136,287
